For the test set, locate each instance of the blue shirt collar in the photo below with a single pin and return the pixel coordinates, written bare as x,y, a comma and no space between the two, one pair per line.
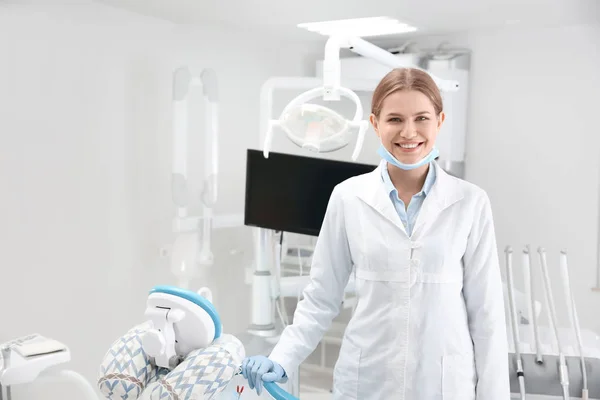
389,186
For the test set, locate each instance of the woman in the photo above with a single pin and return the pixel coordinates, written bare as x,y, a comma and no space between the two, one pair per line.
429,322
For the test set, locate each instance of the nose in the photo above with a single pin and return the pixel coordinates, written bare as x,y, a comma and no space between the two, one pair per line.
409,130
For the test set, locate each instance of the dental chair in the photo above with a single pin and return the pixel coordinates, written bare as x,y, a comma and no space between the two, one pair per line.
179,353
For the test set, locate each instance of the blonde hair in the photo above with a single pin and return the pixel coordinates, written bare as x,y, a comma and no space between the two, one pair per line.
406,79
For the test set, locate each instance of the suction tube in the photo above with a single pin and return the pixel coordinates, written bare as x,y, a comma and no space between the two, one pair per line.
277,392
564,373
514,320
564,270
530,293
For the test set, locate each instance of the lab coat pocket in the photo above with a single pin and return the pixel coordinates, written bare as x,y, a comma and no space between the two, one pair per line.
458,378
345,375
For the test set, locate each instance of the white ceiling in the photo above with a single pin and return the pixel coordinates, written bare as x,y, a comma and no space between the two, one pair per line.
280,17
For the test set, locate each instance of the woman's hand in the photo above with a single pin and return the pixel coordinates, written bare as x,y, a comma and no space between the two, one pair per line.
259,369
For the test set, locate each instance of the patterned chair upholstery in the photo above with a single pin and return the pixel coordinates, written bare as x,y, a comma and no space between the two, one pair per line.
126,369
203,374
128,372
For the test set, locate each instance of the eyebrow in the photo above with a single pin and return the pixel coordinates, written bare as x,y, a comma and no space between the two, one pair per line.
400,115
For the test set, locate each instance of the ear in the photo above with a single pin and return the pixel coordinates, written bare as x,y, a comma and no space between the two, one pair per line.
441,119
375,123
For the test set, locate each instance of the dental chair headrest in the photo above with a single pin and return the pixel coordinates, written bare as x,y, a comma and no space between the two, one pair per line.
195,298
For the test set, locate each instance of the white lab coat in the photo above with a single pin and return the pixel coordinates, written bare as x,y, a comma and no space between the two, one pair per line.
429,323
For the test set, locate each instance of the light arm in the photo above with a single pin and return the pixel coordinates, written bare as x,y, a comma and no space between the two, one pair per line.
332,66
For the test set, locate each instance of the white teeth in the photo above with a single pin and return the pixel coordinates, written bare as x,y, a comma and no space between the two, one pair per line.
409,146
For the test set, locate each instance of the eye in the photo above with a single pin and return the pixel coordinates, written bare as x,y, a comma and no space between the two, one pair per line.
422,118
394,119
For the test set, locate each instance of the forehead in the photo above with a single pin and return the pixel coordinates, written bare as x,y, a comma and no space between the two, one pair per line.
406,102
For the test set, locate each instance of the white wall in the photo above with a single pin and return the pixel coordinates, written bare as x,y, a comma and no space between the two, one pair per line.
85,164
533,145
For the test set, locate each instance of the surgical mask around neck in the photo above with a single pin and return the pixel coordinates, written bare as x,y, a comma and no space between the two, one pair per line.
387,156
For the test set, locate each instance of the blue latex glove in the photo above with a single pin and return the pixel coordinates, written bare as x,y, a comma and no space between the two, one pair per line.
259,369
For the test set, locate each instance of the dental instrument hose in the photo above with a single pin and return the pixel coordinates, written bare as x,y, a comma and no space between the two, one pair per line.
515,322
572,310
530,293
278,298
564,373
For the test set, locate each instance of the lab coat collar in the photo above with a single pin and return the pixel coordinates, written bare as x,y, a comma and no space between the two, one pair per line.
444,192
391,190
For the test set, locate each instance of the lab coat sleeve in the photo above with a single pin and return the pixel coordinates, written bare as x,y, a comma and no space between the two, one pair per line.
322,298
484,299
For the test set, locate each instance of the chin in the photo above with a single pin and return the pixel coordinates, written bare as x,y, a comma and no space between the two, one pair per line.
408,159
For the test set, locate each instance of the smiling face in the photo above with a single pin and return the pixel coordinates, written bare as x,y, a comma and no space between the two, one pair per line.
407,125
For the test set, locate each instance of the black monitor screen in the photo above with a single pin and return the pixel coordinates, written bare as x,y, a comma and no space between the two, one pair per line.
290,193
